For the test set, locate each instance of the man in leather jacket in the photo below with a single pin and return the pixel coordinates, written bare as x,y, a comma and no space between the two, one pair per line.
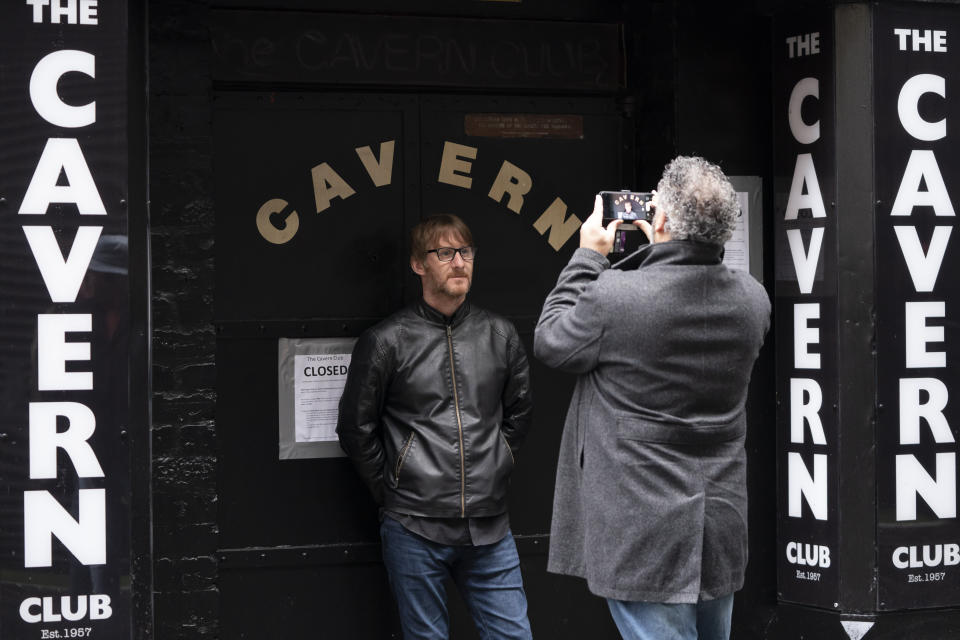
436,405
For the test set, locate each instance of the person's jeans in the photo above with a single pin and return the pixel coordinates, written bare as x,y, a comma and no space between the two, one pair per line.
705,620
488,578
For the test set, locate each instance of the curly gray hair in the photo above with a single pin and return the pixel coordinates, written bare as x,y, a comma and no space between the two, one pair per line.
698,200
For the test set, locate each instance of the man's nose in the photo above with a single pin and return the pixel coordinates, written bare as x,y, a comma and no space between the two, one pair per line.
458,259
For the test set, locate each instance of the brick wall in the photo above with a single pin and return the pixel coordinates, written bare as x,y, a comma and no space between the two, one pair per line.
184,447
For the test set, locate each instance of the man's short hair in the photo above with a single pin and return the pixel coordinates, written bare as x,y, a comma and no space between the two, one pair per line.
698,200
428,232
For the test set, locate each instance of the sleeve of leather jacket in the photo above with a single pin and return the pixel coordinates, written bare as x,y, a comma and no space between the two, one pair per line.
358,424
517,399
569,330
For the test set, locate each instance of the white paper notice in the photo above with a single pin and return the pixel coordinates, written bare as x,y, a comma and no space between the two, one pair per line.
318,384
736,254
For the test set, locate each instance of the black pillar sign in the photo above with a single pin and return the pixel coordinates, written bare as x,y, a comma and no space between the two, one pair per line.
806,312
64,321
917,98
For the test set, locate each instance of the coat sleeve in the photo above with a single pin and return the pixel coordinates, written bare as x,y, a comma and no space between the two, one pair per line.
570,327
516,399
358,423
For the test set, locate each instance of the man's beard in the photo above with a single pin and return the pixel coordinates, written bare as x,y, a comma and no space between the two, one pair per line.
451,289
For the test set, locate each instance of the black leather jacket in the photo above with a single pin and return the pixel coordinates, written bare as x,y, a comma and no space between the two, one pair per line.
434,410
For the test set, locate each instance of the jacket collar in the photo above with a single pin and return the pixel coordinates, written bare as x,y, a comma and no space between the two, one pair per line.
687,252
430,314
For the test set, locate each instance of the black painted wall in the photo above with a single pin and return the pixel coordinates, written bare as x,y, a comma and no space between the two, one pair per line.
184,451
692,87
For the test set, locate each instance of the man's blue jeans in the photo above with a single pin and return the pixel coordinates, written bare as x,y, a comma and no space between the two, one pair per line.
488,578
705,620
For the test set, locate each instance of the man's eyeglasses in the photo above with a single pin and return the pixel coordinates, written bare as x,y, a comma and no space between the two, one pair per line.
445,254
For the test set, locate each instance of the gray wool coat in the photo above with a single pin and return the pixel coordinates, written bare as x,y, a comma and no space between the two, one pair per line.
651,500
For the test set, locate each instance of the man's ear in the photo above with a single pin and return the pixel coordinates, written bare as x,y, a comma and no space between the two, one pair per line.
660,223
417,266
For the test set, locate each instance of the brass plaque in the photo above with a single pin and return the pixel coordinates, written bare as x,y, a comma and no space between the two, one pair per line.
523,125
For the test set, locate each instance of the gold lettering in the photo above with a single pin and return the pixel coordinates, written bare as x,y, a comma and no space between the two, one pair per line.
268,230
381,172
453,169
513,180
555,219
327,185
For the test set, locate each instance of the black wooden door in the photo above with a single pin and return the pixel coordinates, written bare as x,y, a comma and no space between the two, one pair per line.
337,181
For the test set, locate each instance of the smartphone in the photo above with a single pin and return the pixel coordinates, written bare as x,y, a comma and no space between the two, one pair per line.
627,206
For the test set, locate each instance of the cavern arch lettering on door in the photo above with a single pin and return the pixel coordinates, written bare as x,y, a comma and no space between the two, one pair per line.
278,222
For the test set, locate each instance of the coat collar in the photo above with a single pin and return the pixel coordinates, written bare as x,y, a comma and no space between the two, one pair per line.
686,252
430,314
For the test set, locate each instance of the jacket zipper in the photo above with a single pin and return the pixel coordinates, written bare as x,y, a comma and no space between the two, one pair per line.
403,456
456,404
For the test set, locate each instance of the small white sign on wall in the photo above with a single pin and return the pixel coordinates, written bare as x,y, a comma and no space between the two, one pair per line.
311,376
744,249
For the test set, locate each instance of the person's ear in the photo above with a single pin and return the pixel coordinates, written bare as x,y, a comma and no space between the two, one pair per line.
417,266
660,222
